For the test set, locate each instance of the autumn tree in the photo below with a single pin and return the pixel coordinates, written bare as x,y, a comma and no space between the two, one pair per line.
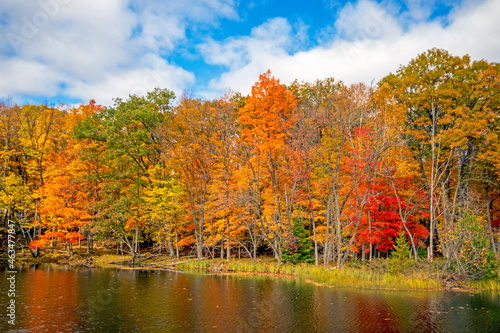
267,118
189,142
224,143
29,135
447,103
162,205
132,147
304,149
67,198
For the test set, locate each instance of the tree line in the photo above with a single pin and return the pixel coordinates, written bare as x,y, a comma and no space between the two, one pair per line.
353,165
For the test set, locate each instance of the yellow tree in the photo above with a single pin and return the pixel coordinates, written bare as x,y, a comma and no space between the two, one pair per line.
162,204
187,142
448,107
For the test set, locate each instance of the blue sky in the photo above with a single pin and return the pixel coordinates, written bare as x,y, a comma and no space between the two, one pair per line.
71,51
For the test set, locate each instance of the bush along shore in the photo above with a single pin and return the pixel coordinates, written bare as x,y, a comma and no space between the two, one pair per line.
374,274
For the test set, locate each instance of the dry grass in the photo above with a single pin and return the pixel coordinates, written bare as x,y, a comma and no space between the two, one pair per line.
373,274
370,275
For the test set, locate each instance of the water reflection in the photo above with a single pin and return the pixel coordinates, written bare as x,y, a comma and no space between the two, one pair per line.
59,299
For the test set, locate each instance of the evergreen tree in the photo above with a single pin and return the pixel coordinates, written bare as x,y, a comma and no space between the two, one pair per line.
297,246
400,256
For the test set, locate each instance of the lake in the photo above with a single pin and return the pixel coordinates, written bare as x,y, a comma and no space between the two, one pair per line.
55,298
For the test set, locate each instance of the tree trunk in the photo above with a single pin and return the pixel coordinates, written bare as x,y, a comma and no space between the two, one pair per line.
176,238
370,231
489,206
338,230
170,247
136,247
414,249
316,260
88,241
326,254
227,239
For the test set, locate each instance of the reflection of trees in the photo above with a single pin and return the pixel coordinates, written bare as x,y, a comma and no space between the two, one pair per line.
63,299
41,301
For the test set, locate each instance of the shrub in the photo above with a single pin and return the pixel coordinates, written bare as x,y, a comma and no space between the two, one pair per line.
474,258
400,256
297,247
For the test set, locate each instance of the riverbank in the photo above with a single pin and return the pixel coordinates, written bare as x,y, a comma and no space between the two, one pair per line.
365,275
373,274
74,299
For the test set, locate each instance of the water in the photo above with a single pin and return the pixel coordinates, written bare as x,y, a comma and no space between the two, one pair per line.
54,298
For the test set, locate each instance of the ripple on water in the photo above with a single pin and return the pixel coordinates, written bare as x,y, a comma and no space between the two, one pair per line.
69,300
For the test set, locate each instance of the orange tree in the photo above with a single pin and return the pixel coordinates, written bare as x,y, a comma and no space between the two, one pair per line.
266,119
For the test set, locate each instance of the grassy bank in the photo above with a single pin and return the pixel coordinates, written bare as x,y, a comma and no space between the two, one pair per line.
369,275
373,274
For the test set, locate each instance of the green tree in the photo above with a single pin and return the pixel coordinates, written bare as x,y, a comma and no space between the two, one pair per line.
400,256
297,246
129,134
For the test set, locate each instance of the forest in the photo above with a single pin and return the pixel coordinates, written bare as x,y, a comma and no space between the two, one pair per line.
320,172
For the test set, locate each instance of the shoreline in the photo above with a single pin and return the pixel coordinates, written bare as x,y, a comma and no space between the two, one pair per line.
359,275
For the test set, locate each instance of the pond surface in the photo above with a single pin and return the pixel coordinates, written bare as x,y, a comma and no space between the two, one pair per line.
53,298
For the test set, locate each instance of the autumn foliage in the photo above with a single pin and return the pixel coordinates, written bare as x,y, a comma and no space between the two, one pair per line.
357,166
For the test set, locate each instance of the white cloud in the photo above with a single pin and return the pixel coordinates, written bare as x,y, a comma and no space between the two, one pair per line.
367,42
34,78
366,20
103,50
476,30
420,9
247,57
153,72
271,38
96,49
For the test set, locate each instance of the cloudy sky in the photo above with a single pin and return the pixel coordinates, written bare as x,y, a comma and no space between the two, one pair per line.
71,51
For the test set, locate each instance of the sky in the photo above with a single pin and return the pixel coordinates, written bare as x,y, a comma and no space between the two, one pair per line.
71,51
